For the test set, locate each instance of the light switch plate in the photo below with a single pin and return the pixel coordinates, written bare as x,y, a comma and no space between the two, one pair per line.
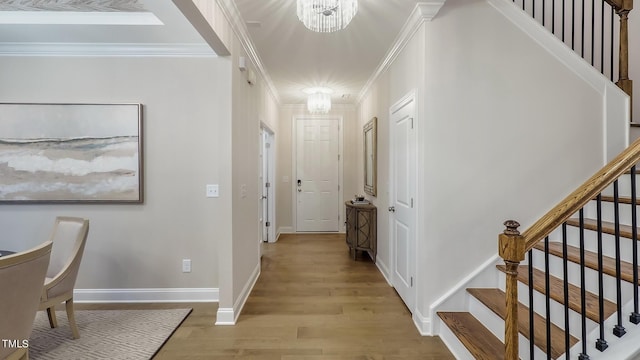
213,190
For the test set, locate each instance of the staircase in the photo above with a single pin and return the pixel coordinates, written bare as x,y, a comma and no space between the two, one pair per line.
583,292
568,287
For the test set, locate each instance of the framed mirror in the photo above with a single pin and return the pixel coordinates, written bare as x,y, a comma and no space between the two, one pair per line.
370,156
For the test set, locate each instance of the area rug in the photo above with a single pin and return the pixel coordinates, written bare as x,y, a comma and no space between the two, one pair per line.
104,334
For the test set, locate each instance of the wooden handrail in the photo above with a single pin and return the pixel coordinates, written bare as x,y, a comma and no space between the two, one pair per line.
512,246
581,196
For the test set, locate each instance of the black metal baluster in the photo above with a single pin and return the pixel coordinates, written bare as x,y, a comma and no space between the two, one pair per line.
531,311
618,330
543,12
553,17
547,289
635,315
565,255
582,30
583,301
563,17
602,70
593,29
573,24
533,8
601,343
612,47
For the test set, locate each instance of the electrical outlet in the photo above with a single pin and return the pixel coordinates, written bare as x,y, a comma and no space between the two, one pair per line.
213,190
186,265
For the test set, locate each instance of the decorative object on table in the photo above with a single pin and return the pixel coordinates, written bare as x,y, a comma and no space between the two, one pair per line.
361,228
21,279
370,131
359,199
69,237
106,334
67,153
326,15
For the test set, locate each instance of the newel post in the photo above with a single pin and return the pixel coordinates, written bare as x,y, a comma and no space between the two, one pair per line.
624,82
511,249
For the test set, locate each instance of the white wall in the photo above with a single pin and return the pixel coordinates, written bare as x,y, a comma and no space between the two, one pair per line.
252,105
187,111
284,167
504,131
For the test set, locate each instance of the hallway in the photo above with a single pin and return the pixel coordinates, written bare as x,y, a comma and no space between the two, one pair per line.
312,301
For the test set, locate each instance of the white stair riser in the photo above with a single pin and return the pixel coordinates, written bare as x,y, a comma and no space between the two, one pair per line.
591,277
556,310
608,212
591,243
495,324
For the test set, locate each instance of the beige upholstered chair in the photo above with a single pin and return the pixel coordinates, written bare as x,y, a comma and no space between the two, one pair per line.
21,278
69,236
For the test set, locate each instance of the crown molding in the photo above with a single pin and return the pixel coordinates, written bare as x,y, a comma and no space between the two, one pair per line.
423,12
231,12
106,49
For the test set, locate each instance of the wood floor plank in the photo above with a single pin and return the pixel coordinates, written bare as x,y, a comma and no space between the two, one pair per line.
591,260
557,293
480,342
312,301
495,300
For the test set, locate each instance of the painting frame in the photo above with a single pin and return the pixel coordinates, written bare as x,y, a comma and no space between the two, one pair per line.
370,141
71,153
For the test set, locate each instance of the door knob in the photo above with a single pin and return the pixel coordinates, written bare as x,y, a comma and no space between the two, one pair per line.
299,190
392,209
264,197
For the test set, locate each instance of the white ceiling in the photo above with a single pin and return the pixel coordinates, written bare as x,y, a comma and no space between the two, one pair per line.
297,58
293,56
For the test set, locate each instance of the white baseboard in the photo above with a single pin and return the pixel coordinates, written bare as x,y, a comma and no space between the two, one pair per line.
149,295
384,270
284,230
229,316
422,323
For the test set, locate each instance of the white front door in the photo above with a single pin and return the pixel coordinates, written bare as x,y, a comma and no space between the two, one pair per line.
316,183
403,174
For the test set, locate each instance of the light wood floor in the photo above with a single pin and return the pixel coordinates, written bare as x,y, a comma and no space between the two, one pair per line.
312,301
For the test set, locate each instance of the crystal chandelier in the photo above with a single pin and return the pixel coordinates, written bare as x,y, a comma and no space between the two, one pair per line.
319,100
326,15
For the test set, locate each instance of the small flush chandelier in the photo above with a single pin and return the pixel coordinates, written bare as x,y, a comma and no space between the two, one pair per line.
326,15
319,100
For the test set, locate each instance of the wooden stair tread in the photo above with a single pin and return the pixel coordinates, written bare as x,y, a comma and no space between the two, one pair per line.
607,227
480,342
591,260
495,300
621,199
557,292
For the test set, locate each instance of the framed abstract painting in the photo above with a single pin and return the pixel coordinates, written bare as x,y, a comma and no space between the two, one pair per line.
71,153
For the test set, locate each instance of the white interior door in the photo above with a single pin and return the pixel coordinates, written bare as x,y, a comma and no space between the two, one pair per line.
317,167
402,210
267,183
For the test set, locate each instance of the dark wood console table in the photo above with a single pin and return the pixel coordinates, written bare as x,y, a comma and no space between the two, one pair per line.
362,228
